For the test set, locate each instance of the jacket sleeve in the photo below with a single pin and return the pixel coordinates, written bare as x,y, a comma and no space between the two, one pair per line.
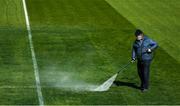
153,44
133,53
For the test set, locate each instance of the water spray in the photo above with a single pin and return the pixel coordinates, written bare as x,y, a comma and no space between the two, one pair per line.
107,84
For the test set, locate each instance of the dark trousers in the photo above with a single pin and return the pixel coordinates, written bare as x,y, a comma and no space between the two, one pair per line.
143,71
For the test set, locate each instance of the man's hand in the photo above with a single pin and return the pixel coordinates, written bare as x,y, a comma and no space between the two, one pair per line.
149,50
133,60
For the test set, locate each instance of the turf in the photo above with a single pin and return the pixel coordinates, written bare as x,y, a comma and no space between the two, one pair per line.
91,39
16,72
158,18
78,39
84,42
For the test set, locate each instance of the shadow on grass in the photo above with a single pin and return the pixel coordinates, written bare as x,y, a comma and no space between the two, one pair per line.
128,84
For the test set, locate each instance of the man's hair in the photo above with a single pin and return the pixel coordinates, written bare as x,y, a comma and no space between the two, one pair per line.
138,32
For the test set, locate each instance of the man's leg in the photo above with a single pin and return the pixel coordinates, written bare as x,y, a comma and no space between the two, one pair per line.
146,72
140,73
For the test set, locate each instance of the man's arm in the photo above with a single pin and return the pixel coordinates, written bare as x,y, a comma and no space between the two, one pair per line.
153,45
133,54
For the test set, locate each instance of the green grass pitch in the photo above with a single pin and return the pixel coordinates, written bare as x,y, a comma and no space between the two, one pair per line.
84,42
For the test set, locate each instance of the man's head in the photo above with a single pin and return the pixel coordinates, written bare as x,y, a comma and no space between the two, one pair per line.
139,34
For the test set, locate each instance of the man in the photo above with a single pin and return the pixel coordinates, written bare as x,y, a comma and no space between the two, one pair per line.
142,51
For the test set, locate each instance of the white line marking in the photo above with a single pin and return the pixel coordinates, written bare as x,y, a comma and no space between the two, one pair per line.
25,87
36,69
16,87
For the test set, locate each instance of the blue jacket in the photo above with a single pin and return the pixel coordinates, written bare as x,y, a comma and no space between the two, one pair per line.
140,48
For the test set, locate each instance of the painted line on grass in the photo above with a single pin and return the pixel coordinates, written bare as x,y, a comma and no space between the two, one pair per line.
25,87
35,66
17,87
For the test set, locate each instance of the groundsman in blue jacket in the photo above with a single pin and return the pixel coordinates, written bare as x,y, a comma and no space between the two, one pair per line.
142,51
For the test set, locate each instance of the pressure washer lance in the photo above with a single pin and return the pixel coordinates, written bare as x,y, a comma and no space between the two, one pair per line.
124,67
107,84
